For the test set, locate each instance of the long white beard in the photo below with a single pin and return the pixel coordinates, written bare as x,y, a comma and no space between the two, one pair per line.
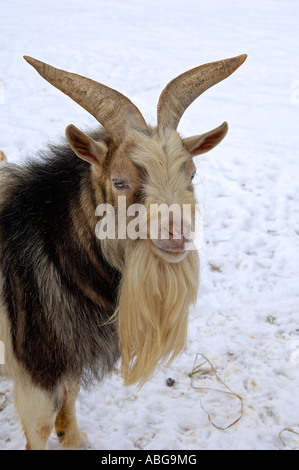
154,301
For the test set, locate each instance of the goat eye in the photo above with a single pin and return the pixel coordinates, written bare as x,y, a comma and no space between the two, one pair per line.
192,177
119,184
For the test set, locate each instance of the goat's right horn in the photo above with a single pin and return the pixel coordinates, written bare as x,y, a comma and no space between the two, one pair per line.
183,90
114,111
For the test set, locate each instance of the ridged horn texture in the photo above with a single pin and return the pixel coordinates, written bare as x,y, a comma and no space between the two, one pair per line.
114,111
183,90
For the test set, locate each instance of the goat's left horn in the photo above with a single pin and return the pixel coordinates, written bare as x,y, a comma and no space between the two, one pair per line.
183,90
114,111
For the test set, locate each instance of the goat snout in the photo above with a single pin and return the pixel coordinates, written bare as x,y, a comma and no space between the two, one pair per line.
174,236
174,246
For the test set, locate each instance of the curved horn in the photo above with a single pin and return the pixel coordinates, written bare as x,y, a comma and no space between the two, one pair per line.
114,111
183,90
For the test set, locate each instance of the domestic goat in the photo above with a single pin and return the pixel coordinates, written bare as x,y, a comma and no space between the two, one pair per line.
74,303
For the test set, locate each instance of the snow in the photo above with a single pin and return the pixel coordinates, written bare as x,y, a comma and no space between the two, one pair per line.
246,317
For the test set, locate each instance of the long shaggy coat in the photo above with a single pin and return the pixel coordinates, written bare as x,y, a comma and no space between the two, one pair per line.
58,289
71,304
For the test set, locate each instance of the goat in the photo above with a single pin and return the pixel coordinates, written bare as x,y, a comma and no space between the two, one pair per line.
72,304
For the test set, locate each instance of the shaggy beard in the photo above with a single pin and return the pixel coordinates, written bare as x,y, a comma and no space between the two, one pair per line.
154,301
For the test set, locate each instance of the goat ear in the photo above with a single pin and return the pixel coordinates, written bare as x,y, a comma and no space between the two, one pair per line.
199,144
85,147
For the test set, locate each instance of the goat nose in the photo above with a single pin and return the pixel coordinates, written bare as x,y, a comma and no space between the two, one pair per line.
176,237
179,231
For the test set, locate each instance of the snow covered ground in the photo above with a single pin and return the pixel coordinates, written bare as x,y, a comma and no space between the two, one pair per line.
246,321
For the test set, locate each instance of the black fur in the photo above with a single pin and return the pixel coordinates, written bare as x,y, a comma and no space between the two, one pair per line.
58,289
